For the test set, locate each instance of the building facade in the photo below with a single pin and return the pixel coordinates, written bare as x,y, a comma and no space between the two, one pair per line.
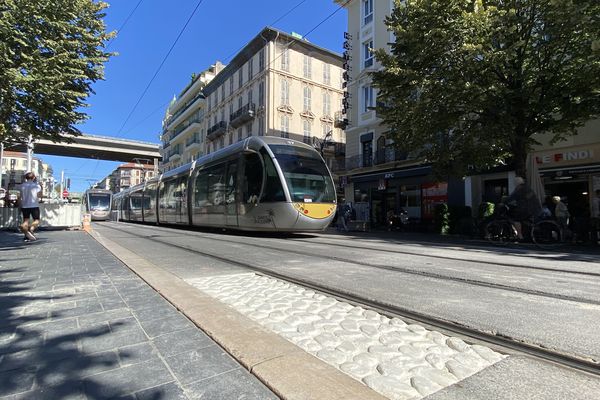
380,177
14,168
184,129
278,84
127,175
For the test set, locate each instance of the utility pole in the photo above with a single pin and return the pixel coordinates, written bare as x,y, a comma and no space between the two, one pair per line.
62,179
29,153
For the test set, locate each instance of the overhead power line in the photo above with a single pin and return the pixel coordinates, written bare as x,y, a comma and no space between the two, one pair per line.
124,23
160,66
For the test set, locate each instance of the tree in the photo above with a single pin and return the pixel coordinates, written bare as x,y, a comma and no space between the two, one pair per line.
475,83
51,51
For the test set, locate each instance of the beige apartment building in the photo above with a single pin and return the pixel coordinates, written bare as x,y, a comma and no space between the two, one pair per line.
127,175
279,84
184,130
14,168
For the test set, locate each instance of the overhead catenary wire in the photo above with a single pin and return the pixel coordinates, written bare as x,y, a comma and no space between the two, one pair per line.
120,28
161,65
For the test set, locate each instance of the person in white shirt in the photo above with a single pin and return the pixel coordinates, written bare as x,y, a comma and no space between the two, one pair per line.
31,192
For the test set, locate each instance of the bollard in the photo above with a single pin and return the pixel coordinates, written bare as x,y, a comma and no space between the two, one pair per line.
87,222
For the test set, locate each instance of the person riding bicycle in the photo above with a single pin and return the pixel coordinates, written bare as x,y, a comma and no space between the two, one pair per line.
524,205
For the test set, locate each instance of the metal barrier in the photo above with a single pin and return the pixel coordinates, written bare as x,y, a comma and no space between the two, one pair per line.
51,216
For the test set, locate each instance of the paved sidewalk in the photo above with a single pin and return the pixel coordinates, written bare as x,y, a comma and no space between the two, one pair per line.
75,323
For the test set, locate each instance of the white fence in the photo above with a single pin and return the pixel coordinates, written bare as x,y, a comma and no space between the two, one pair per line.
51,216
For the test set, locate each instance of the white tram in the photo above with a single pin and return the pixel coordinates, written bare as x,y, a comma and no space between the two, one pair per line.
98,202
260,184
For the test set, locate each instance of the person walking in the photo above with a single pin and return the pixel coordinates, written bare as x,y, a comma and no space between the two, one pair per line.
561,212
524,205
31,193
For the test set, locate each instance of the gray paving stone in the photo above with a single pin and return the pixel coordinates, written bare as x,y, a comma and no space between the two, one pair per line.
105,316
113,340
127,380
236,384
182,341
137,353
71,370
168,391
16,381
195,365
161,326
63,392
161,311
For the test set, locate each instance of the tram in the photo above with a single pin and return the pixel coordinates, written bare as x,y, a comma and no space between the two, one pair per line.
258,184
97,203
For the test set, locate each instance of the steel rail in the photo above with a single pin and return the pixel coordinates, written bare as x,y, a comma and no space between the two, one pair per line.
539,352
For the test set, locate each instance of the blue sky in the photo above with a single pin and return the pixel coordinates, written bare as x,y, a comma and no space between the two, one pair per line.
218,29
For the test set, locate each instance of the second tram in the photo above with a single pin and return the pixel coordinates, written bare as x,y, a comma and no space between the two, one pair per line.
98,203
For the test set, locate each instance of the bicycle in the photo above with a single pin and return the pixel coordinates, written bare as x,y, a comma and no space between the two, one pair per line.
545,233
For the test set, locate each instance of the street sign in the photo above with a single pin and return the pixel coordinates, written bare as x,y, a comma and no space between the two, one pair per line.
65,194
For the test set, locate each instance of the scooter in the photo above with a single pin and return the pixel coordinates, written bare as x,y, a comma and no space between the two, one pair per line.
398,222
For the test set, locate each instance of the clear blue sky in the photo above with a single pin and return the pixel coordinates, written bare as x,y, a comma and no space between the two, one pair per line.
217,31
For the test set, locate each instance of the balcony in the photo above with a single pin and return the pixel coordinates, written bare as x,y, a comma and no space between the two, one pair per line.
193,143
216,131
389,154
243,115
339,121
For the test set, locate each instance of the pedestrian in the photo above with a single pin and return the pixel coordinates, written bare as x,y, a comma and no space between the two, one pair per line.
524,205
561,213
344,217
31,193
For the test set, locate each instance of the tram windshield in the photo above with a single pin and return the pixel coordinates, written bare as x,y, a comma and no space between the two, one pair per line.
305,173
99,201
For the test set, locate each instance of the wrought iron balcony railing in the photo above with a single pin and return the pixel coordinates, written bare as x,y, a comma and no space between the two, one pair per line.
243,115
216,130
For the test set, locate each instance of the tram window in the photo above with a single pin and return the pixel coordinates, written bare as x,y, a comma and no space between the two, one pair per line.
216,184
150,194
167,199
231,182
253,178
273,188
201,189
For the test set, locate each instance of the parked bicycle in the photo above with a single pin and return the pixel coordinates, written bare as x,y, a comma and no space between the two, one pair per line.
544,232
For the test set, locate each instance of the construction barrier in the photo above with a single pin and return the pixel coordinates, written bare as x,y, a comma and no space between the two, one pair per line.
51,216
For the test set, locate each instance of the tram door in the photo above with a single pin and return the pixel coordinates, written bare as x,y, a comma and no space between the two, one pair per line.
231,214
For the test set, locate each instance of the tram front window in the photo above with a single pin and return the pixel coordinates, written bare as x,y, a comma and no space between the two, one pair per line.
100,202
305,173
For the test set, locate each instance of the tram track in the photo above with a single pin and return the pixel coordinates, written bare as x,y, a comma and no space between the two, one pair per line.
410,271
495,339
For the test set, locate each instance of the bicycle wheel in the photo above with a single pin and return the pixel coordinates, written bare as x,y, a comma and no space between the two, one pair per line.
500,232
546,234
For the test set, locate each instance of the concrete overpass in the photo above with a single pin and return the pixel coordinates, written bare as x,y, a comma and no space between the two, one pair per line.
98,147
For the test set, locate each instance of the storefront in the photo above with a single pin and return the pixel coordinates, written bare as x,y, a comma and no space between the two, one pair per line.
411,189
573,173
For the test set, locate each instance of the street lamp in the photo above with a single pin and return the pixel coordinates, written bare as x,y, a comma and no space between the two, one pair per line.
321,143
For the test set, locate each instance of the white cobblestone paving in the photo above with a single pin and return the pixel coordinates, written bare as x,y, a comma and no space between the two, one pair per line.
399,360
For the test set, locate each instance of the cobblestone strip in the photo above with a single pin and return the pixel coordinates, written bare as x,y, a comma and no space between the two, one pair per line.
396,359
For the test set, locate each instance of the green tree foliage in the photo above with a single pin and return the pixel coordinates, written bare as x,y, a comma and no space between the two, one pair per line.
476,82
51,51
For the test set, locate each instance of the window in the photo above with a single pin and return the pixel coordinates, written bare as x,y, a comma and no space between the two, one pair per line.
216,185
231,85
368,53
240,102
307,67
261,60
285,92
261,126
253,178
367,153
326,129
239,134
240,77
326,103
285,58
326,74
261,94
285,126
367,98
367,11
249,129
250,68
273,188
306,130
250,96
307,98
222,92
230,109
